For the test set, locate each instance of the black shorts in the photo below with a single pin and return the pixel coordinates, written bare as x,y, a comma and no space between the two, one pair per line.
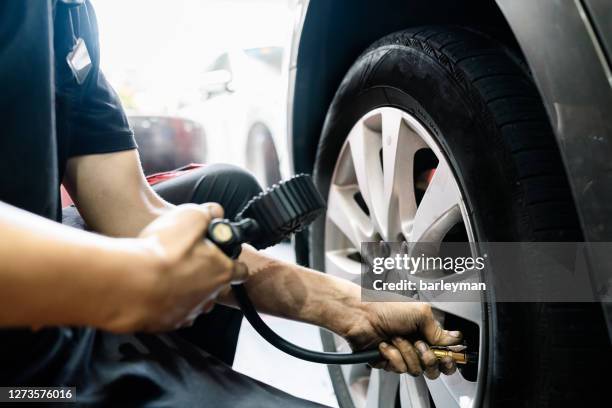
189,367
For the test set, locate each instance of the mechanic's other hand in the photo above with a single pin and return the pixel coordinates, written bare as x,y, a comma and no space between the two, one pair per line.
403,332
184,272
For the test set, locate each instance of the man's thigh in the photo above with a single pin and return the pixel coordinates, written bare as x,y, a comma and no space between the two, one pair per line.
232,187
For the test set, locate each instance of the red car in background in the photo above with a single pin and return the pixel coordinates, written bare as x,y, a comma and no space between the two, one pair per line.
168,142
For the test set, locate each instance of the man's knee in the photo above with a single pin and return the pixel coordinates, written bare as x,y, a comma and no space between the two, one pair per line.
226,184
245,182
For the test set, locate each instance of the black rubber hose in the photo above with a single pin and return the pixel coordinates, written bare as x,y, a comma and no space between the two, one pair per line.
277,341
265,220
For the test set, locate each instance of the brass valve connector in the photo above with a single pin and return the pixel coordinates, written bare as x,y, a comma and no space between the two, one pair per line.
459,358
457,353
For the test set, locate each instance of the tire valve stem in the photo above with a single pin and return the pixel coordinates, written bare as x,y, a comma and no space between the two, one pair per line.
462,357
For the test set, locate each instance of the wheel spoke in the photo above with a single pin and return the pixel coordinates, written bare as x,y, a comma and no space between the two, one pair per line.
399,143
439,209
471,311
382,389
413,392
365,145
452,391
342,346
338,264
355,372
348,216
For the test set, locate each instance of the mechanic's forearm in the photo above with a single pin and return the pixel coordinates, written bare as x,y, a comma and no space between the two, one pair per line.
112,194
55,275
287,290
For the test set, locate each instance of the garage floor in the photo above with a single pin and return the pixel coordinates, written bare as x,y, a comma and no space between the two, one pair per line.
256,358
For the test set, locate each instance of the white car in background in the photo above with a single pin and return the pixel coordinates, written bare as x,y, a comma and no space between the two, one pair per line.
242,110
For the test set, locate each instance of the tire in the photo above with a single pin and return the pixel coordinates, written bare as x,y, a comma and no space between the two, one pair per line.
477,99
262,158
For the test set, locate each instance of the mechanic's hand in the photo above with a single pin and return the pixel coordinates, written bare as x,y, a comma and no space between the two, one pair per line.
402,332
187,274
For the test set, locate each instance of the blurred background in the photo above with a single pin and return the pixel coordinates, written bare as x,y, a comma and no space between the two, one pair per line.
205,81
201,80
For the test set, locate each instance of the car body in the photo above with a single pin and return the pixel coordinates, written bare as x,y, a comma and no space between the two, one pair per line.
241,107
565,48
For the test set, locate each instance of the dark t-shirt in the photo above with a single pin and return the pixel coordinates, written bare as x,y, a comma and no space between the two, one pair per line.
89,116
88,119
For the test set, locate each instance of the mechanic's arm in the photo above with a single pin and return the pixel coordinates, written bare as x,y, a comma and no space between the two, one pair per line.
47,269
291,291
112,194
114,198
53,275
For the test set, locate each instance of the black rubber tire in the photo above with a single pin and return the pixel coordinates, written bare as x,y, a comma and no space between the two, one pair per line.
477,99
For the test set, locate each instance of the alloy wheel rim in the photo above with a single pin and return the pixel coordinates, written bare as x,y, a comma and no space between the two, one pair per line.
372,197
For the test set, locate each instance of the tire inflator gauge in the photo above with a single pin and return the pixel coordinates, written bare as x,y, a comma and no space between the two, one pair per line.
267,219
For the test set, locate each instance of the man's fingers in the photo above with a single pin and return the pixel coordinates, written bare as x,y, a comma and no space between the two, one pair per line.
215,209
447,338
181,226
422,359
394,357
409,355
435,334
192,220
429,361
447,365
208,255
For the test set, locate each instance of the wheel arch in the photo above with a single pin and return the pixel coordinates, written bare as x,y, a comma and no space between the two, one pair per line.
258,124
334,34
263,128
